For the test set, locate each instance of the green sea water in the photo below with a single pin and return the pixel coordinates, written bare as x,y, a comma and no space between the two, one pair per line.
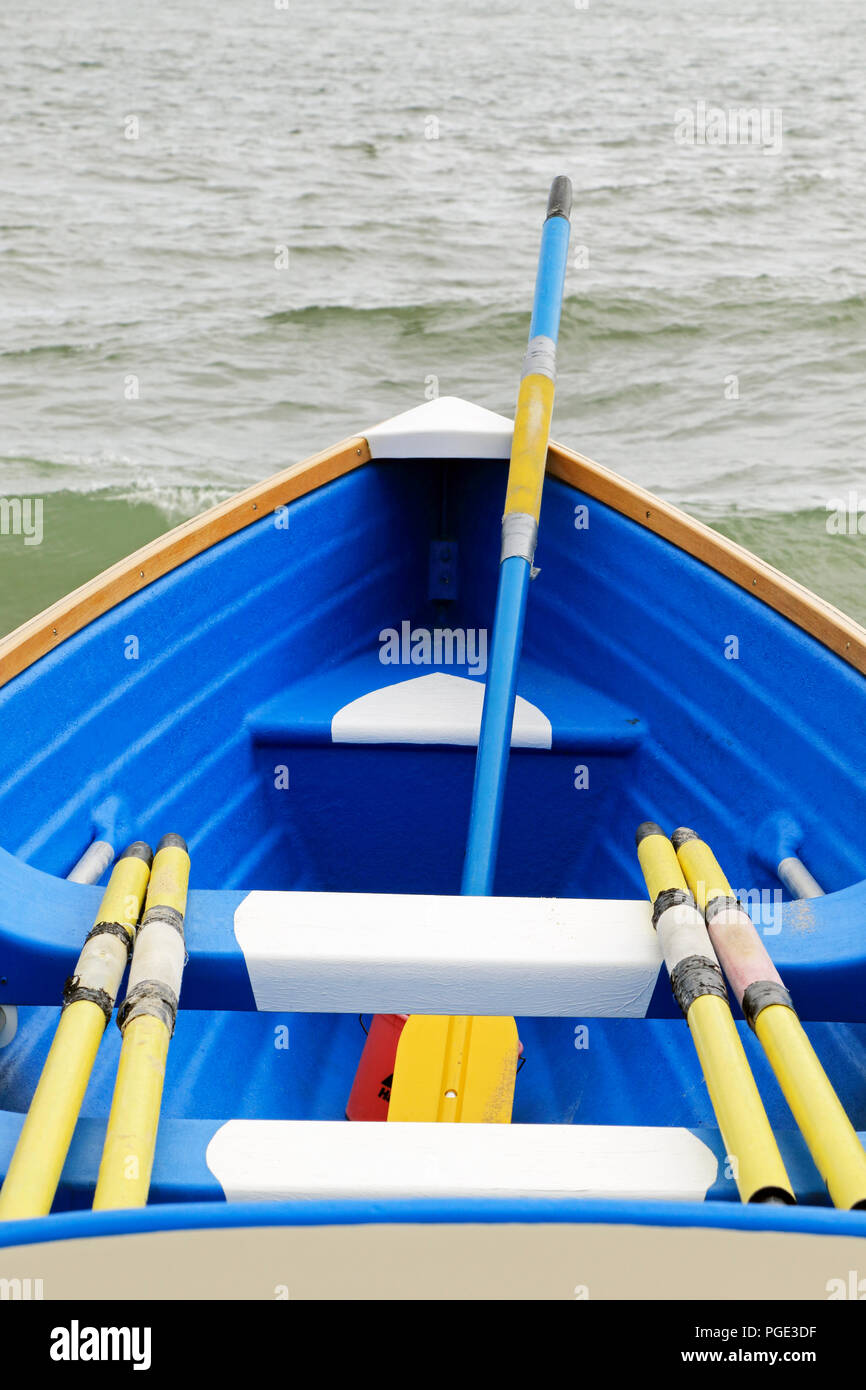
86,533
233,232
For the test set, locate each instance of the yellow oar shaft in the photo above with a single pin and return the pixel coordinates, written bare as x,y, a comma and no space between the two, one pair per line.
130,1140
532,419
147,1022
820,1115
37,1163
750,1144
696,979
831,1138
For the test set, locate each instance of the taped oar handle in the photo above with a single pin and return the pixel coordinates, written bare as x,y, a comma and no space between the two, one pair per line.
753,977
146,1020
88,1000
559,202
690,959
699,988
108,945
160,951
831,1138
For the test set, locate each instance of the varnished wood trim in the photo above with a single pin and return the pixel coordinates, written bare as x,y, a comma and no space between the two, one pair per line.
66,617
814,615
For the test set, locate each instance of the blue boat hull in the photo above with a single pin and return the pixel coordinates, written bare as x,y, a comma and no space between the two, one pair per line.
177,708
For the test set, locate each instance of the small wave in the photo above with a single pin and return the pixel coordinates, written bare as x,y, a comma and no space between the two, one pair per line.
174,502
72,480
177,502
802,546
46,350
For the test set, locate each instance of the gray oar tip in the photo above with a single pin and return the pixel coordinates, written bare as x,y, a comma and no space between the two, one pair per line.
172,841
139,849
646,828
680,836
559,202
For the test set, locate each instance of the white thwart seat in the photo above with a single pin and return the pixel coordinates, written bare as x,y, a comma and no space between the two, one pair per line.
421,953
274,1160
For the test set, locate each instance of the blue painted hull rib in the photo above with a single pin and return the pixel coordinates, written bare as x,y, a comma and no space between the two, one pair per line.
265,719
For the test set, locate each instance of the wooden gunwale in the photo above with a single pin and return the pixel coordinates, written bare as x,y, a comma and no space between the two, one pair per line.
47,630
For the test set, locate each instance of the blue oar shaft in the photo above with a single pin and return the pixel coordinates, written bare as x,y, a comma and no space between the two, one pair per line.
550,278
519,532
496,720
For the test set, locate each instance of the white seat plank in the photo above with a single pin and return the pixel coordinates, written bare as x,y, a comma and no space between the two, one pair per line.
275,1160
408,953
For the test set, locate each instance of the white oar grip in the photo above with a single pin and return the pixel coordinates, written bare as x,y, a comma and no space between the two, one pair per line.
689,956
157,968
99,969
682,932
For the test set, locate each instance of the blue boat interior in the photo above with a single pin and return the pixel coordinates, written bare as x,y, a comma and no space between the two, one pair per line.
204,705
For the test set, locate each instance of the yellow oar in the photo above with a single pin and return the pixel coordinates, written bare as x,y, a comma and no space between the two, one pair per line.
89,996
458,1069
464,1068
832,1140
700,992
146,1021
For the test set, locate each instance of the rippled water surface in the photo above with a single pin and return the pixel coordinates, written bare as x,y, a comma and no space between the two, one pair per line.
156,353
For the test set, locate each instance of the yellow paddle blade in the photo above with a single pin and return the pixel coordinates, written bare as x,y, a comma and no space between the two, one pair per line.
455,1069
